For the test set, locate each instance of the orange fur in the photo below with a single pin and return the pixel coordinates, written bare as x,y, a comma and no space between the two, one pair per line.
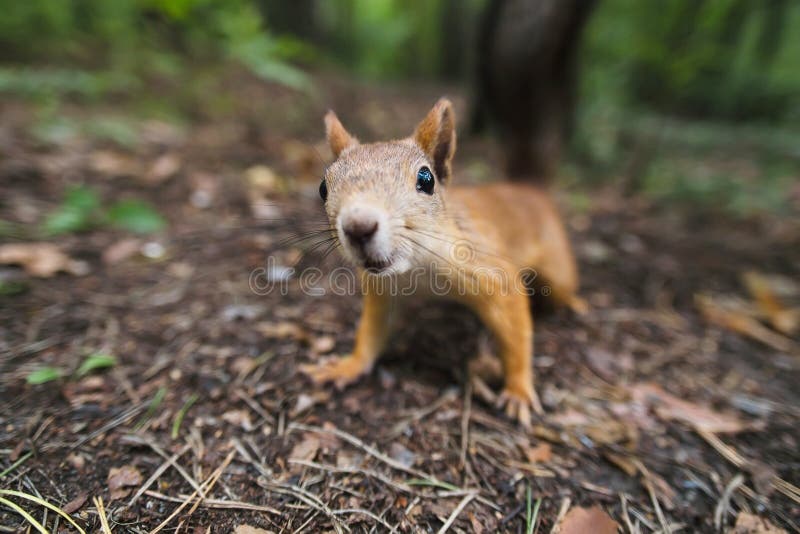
504,228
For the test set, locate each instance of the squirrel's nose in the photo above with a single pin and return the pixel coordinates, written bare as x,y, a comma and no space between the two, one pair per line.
359,231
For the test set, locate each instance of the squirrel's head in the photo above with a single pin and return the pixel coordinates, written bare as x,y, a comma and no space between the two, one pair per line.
385,199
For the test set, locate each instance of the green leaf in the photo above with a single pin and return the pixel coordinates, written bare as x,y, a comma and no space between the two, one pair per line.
136,216
75,213
96,361
43,375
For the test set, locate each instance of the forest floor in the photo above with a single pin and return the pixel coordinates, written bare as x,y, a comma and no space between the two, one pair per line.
671,405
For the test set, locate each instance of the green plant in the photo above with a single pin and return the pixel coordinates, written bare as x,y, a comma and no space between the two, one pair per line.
81,210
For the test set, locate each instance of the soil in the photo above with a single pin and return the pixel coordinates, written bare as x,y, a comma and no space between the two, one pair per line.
206,372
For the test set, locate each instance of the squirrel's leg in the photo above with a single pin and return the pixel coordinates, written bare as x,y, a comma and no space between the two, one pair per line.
508,317
370,338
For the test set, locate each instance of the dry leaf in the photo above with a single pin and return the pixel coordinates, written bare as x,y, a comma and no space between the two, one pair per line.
769,304
113,163
541,453
738,320
281,330
247,529
122,478
307,448
582,520
323,344
163,167
41,259
121,251
670,407
752,524
75,504
239,418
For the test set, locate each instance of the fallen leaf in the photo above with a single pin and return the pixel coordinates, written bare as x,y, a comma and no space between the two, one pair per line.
731,317
669,407
306,449
41,259
752,524
121,251
113,163
121,478
323,344
764,293
582,520
281,330
75,504
247,529
402,454
541,453
239,418
164,167
607,364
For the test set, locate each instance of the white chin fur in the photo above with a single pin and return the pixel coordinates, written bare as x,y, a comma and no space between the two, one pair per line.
379,248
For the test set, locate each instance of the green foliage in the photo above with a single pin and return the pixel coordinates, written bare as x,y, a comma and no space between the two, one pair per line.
124,40
81,210
727,58
135,216
77,212
43,375
94,362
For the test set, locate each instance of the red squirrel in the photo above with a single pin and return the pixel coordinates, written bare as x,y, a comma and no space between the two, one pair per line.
400,219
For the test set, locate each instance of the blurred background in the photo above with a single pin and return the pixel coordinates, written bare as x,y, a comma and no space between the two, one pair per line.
155,153
692,101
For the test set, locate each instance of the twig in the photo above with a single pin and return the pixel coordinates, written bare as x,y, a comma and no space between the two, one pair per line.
562,511
216,503
207,484
157,473
625,516
101,511
366,513
465,423
461,505
724,501
122,418
158,450
730,454
665,526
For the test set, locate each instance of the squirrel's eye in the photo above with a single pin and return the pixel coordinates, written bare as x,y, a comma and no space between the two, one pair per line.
323,191
425,180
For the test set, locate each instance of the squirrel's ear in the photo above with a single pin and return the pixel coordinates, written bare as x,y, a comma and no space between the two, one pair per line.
338,138
436,135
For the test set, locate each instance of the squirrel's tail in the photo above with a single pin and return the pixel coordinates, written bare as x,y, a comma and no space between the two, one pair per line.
526,79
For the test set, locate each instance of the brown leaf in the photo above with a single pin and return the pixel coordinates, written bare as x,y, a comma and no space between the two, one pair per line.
247,529
240,418
307,448
541,453
113,163
121,251
163,167
75,504
323,344
281,330
752,524
582,520
121,478
764,292
670,407
41,259
729,316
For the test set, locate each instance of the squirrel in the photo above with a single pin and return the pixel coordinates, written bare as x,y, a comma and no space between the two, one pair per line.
409,230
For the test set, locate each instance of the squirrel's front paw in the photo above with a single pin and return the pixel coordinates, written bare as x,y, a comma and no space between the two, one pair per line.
340,371
518,402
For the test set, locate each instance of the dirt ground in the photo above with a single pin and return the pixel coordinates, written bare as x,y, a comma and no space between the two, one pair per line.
656,412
